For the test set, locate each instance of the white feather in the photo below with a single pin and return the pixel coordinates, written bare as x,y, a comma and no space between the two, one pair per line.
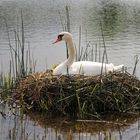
87,68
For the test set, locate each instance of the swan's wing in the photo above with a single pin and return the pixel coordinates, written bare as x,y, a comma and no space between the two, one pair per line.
90,68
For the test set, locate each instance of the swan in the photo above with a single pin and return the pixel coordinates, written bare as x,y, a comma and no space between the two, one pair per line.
87,68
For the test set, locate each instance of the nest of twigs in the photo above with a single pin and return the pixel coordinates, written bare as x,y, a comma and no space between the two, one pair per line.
79,96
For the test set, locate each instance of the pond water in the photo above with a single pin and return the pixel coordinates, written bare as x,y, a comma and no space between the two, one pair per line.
43,20
14,125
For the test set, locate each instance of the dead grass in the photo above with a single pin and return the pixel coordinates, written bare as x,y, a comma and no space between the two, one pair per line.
79,96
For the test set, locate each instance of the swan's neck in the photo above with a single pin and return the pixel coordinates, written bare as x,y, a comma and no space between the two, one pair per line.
71,52
68,62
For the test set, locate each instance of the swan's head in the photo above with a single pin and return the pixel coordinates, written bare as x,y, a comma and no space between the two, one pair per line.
65,36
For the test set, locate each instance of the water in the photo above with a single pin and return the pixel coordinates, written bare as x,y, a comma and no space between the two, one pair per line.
43,20
18,126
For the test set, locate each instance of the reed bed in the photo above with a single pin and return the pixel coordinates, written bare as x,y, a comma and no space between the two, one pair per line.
21,62
78,96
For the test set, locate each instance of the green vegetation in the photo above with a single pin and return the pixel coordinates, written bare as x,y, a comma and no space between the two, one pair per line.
21,63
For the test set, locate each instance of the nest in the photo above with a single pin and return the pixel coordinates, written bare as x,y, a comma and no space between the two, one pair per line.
79,96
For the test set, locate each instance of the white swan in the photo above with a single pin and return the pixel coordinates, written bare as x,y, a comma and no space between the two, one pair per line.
87,68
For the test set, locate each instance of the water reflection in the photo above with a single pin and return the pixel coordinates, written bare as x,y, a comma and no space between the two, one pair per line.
16,125
35,126
111,16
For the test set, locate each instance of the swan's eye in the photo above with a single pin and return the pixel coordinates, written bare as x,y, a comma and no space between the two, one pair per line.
60,37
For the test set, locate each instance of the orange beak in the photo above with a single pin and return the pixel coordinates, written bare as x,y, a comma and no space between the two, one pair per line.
58,39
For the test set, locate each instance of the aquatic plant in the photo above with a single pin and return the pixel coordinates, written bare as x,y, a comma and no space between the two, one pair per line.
20,64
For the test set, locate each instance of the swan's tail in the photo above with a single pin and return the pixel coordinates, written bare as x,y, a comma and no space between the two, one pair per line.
119,67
